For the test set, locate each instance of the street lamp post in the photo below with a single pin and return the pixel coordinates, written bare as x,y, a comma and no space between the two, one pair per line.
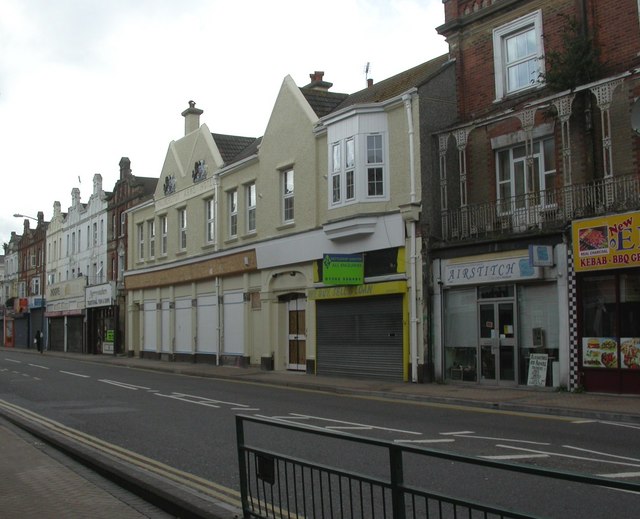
18,215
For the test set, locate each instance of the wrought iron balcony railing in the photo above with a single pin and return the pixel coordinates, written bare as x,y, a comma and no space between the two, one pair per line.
550,209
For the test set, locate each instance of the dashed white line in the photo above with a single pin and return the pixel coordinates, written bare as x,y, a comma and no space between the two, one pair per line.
515,456
38,366
500,439
611,462
439,440
351,424
599,453
455,433
14,361
74,374
620,475
123,385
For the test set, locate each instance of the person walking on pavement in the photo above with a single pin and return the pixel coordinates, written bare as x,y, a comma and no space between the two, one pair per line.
39,340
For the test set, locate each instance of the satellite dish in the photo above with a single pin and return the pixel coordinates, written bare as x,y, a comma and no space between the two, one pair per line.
635,116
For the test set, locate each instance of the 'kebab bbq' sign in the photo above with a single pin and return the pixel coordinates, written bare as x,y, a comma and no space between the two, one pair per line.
610,242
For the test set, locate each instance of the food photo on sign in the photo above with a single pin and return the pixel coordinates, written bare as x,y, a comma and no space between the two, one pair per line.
599,352
630,352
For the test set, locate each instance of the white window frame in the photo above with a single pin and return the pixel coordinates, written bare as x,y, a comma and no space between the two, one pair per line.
545,174
232,200
287,184
140,241
500,36
375,163
163,234
151,232
350,164
251,197
210,220
35,286
182,228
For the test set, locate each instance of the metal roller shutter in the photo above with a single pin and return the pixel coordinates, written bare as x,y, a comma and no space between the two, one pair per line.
56,331
74,334
360,337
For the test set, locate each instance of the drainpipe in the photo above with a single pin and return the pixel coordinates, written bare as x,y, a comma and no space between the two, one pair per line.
220,314
413,320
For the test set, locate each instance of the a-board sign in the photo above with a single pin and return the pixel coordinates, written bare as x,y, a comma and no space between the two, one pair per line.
538,363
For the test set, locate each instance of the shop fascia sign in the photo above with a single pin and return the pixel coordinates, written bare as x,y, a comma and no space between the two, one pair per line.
490,271
99,295
608,242
342,269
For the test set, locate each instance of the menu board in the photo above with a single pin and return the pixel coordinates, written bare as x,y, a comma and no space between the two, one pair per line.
599,352
538,369
630,352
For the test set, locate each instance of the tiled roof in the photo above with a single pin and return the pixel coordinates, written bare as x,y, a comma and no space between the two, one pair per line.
321,101
231,147
397,84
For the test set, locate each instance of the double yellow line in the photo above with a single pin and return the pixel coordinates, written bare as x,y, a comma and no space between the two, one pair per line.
189,481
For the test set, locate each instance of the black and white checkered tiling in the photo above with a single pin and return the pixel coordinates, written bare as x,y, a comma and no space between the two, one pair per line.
574,350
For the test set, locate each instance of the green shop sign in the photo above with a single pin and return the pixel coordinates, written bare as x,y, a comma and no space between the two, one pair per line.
343,269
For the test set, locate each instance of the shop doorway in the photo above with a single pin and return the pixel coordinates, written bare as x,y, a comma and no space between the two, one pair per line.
297,338
497,342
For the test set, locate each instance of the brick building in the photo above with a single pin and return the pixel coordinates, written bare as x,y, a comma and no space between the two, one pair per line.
539,193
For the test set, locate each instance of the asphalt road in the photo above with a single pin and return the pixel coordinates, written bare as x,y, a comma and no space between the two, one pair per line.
188,423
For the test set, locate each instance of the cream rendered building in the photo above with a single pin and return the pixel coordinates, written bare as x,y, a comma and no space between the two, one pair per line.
231,262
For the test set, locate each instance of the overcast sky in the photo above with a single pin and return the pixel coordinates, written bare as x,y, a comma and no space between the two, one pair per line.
86,82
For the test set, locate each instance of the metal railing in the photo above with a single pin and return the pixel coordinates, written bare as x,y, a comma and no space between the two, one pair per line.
548,209
276,485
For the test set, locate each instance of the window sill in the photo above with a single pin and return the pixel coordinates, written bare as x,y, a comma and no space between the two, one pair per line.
249,235
181,253
284,226
233,239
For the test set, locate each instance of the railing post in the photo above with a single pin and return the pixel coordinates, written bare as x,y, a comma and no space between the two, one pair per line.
242,465
397,481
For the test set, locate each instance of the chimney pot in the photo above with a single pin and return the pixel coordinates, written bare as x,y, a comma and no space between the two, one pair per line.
369,82
191,118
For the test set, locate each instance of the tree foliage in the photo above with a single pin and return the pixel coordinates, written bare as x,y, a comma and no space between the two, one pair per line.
576,62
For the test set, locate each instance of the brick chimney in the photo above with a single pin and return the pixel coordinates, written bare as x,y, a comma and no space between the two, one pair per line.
125,167
369,82
191,118
317,83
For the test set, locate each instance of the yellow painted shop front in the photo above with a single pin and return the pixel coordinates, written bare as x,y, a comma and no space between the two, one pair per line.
606,255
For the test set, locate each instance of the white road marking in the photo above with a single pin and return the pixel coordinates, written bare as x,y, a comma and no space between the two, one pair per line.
38,366
353,424
13,360
620,475
584,421
570,456
74,374
175,396
123,385
500,439
601,453
439,440
245,409
349,427
456,433
210,400
618,424
515,456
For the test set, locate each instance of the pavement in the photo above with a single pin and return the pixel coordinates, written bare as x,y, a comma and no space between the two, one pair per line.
36,480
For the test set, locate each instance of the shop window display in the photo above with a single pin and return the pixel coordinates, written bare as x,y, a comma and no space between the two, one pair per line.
461,336
538,327
611,321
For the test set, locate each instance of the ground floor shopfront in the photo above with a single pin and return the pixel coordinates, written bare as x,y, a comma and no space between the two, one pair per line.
606,254
498,316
